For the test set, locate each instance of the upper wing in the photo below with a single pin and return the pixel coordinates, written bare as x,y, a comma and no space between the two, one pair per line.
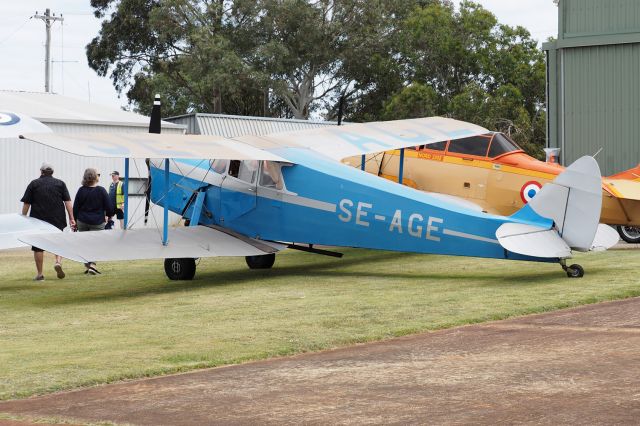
339,142
14,226
13,125
132,244
336,142
151,145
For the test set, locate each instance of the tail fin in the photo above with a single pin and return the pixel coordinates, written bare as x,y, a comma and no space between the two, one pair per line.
572,201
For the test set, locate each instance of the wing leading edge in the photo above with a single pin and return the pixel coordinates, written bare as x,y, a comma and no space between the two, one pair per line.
151,145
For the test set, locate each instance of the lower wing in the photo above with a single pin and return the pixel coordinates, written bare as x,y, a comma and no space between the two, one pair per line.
14,226
113,245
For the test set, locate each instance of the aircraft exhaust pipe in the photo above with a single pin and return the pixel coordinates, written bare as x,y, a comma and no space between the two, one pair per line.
156,116
154,127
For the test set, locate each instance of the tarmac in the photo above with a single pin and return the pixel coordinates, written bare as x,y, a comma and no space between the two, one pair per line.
573,366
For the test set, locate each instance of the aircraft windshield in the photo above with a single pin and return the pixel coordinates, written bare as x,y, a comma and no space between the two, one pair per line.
501,144
475,145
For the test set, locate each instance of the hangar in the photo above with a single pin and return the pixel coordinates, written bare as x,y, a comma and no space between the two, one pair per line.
593,92
231,126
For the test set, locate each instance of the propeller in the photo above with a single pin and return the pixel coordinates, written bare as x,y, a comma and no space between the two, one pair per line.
154,127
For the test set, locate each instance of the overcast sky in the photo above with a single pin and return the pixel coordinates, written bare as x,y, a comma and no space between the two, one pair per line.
22,44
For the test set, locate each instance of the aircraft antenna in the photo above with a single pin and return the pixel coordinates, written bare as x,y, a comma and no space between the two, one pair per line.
598,152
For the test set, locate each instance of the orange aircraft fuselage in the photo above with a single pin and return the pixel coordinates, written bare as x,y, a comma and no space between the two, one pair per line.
493,172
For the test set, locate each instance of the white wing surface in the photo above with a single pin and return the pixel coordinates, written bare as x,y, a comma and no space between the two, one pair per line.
13,125
14,226
132,244
150,145
338,142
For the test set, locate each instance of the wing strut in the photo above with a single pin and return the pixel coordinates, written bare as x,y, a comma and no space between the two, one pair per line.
165,224
126,193
401,166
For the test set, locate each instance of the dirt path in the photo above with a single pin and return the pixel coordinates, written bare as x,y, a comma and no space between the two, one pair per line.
577,366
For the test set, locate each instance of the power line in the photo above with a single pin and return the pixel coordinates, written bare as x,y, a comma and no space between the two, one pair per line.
16,30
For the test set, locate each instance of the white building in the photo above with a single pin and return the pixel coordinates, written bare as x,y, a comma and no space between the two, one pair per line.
20,159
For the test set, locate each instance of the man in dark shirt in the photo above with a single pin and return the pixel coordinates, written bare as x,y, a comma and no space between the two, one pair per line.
48,198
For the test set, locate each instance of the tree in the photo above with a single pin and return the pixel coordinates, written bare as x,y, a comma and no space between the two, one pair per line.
483,72
235,56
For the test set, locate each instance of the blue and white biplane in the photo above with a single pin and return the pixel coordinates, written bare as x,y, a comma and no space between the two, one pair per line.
253,196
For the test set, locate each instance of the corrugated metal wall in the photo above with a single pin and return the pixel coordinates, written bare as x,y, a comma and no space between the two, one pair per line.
231,126
594,17
593,90
20,162
602,105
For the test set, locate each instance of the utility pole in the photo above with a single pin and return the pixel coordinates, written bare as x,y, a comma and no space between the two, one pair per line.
48,19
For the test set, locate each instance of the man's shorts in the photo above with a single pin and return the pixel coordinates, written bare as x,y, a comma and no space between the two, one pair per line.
36,249
119,214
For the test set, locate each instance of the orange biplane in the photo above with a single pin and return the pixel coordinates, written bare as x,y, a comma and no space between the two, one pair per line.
493,172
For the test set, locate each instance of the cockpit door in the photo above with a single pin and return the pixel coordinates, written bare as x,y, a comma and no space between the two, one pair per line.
238,190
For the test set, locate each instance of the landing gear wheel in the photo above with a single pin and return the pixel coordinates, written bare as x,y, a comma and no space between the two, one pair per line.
180,269
261,262
575,271
630,234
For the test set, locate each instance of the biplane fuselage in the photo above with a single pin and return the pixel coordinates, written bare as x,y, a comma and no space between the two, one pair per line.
262,194
323,202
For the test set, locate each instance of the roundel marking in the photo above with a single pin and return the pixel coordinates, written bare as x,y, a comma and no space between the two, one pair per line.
8,119
529,190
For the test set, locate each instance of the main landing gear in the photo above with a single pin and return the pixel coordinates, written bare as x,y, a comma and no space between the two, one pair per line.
630,234
180,269
261,262
573,271
184,269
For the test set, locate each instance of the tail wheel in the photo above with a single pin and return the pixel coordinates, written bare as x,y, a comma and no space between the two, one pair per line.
261,262
630,234
575,271
180,269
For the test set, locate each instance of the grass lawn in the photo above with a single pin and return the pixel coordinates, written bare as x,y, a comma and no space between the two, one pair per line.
133,322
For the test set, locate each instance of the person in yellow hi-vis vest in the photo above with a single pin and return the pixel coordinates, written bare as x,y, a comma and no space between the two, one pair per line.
117,197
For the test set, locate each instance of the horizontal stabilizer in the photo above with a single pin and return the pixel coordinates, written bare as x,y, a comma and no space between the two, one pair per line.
150,145
606,237
531,240
112,245
14,226
624,188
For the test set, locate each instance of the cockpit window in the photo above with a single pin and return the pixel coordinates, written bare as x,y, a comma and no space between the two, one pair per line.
248,171
219,166
438,146
234,168
501,144
271,175
475,145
